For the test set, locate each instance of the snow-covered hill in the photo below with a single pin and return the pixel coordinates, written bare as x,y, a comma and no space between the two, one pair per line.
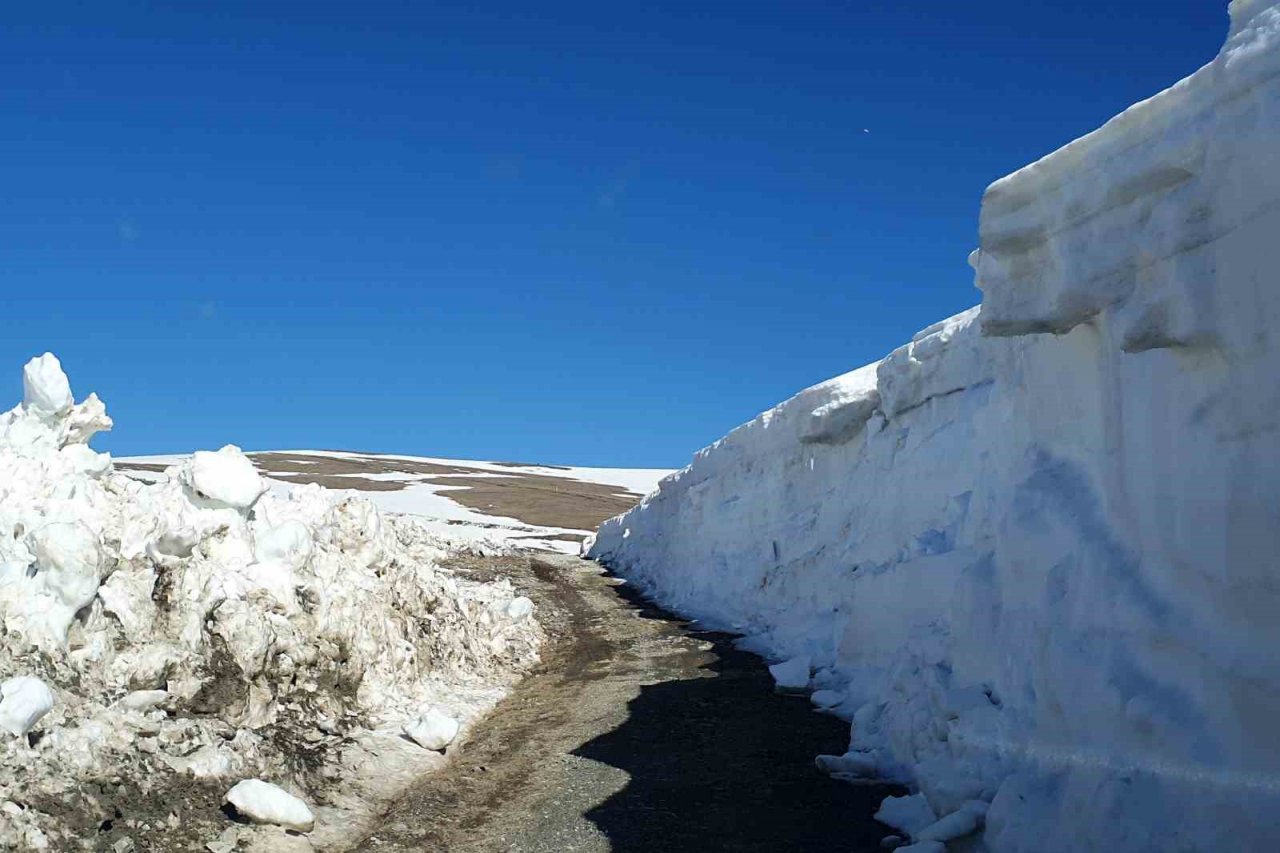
488,504
1032,553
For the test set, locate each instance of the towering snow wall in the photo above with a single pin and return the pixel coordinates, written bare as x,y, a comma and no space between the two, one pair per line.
1034,551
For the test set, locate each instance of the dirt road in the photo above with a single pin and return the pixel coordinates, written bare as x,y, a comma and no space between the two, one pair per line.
637,733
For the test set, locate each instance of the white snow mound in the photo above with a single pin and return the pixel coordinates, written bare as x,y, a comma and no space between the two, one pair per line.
203,626
1035,548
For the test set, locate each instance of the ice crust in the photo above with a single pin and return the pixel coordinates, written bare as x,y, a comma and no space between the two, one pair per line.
1037,556
203,626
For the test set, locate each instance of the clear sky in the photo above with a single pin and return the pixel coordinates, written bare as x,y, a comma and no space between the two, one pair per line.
596,233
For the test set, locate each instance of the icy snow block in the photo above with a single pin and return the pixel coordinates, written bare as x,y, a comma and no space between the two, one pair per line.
519,608
45,388
968,818
68,558
226,478
288,543
25,700
791,674
86,461
941,359
826,698
262,802
143,700
433,730
909,814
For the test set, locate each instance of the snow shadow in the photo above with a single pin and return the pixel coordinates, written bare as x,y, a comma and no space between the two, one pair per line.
719,762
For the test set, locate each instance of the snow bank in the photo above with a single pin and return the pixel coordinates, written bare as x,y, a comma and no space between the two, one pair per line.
201,627
1034,549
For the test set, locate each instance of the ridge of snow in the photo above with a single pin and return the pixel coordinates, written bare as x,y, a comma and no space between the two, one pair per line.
1037,559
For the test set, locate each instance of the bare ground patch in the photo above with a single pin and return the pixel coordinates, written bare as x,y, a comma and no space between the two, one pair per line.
639,733
540,499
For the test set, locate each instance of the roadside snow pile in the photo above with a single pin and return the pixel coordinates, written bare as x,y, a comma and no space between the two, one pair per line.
1034,550
201,628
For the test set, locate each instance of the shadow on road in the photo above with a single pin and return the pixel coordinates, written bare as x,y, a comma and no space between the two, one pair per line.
722,763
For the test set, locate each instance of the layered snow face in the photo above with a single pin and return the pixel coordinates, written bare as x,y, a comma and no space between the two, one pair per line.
202,626
1031,554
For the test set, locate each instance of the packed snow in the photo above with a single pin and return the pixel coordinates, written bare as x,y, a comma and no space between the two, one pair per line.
434,729
263,802
1034,550
206,630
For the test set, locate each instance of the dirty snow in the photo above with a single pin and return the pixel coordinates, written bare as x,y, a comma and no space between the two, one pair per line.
211,629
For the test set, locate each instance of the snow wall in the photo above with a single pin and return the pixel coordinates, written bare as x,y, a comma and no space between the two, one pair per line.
1034,551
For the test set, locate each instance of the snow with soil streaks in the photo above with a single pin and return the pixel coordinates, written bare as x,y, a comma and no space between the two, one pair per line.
211,628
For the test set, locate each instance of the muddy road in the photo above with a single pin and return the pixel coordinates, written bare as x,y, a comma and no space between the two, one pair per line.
637,733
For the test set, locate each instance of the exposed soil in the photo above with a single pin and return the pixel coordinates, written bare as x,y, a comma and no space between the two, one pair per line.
540,499
531,465
638,733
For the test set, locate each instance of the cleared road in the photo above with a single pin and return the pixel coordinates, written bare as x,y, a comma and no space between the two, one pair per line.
637,733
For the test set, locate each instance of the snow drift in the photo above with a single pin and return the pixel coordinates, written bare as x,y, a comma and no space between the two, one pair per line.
1032,553
202,628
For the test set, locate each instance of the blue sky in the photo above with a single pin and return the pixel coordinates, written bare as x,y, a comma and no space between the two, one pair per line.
593,233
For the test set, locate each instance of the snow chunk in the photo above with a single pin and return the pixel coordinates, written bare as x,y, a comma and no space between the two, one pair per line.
289,543
45,388
263,802
225,478
25,701
851,400
968,818
144,700
792,674
519,608
910,814
434,729
924,847
826,698
68,558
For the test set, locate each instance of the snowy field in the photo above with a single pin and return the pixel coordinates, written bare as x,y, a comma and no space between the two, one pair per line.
490,505
1031,555
216,636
